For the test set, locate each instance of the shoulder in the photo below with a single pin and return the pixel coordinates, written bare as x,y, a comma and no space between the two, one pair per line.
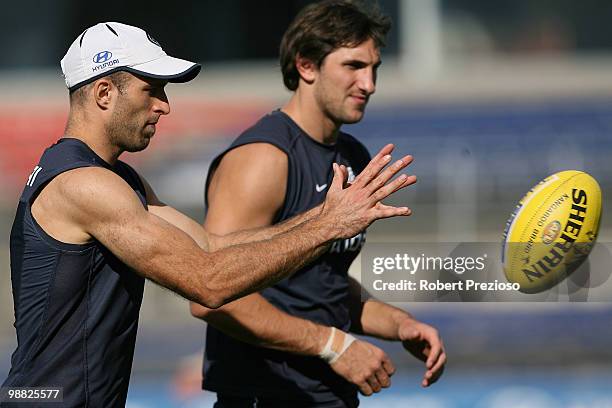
88,178
250,179
257,160
274,128
247,188
260,151
92,188
253,164
78,202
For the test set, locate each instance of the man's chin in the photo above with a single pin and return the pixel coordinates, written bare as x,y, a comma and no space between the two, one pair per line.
353,117
137,147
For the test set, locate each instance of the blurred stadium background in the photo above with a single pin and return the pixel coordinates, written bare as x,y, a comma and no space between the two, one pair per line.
489,96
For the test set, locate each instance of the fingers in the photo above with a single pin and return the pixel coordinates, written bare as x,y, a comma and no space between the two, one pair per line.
351,209
434,353
436,347
383,378
388,173
366,366
372,170
387,149
434,372
409,181
376,382
431,376
432,348
388,366
441,361
339,178
365,388
345,176
393,186
437,374
386,211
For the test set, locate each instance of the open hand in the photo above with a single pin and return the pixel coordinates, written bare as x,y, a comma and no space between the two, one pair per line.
424,342
349,209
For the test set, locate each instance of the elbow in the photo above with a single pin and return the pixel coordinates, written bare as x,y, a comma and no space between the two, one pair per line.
213,288
198,311
214,302
205,305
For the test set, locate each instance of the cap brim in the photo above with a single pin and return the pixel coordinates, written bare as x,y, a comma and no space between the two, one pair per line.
168,68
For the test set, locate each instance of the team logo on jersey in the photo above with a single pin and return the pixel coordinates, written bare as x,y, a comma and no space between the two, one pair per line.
353,244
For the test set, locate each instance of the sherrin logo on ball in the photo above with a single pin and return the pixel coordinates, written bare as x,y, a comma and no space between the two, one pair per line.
552,230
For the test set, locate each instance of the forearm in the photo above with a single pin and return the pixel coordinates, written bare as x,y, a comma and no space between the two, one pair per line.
381,320
269,260
273,253
262,233
254,320
372,317
184,223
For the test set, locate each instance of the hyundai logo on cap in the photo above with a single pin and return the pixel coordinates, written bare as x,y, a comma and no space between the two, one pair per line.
102,56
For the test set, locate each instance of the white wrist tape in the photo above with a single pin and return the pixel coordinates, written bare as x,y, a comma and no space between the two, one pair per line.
337,343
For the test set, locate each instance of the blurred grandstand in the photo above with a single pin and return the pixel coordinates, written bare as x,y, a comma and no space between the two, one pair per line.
489,97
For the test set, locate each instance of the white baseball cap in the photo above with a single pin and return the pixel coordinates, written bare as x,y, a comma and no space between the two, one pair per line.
109,47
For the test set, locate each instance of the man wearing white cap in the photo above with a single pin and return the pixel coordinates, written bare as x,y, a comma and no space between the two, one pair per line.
89,230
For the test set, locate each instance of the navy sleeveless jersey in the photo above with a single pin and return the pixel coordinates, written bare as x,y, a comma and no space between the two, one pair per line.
318,292
76,306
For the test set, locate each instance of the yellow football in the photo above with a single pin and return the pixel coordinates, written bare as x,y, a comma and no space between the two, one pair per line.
552,230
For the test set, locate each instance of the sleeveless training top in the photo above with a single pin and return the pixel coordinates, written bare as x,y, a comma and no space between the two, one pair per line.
318,292
76,306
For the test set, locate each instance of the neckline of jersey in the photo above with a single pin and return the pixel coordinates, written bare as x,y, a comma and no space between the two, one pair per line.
297,127
97,158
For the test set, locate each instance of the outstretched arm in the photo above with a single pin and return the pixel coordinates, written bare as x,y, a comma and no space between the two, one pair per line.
100,205
209,241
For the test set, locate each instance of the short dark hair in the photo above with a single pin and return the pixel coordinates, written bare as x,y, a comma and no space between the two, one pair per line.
323,27
119,79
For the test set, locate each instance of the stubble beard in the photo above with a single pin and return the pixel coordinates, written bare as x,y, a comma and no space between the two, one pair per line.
125,132
335,109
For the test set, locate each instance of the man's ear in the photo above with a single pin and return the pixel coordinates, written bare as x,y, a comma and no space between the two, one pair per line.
307,69
104,91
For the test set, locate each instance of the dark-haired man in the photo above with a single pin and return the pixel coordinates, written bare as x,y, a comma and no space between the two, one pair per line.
289,346
89,229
